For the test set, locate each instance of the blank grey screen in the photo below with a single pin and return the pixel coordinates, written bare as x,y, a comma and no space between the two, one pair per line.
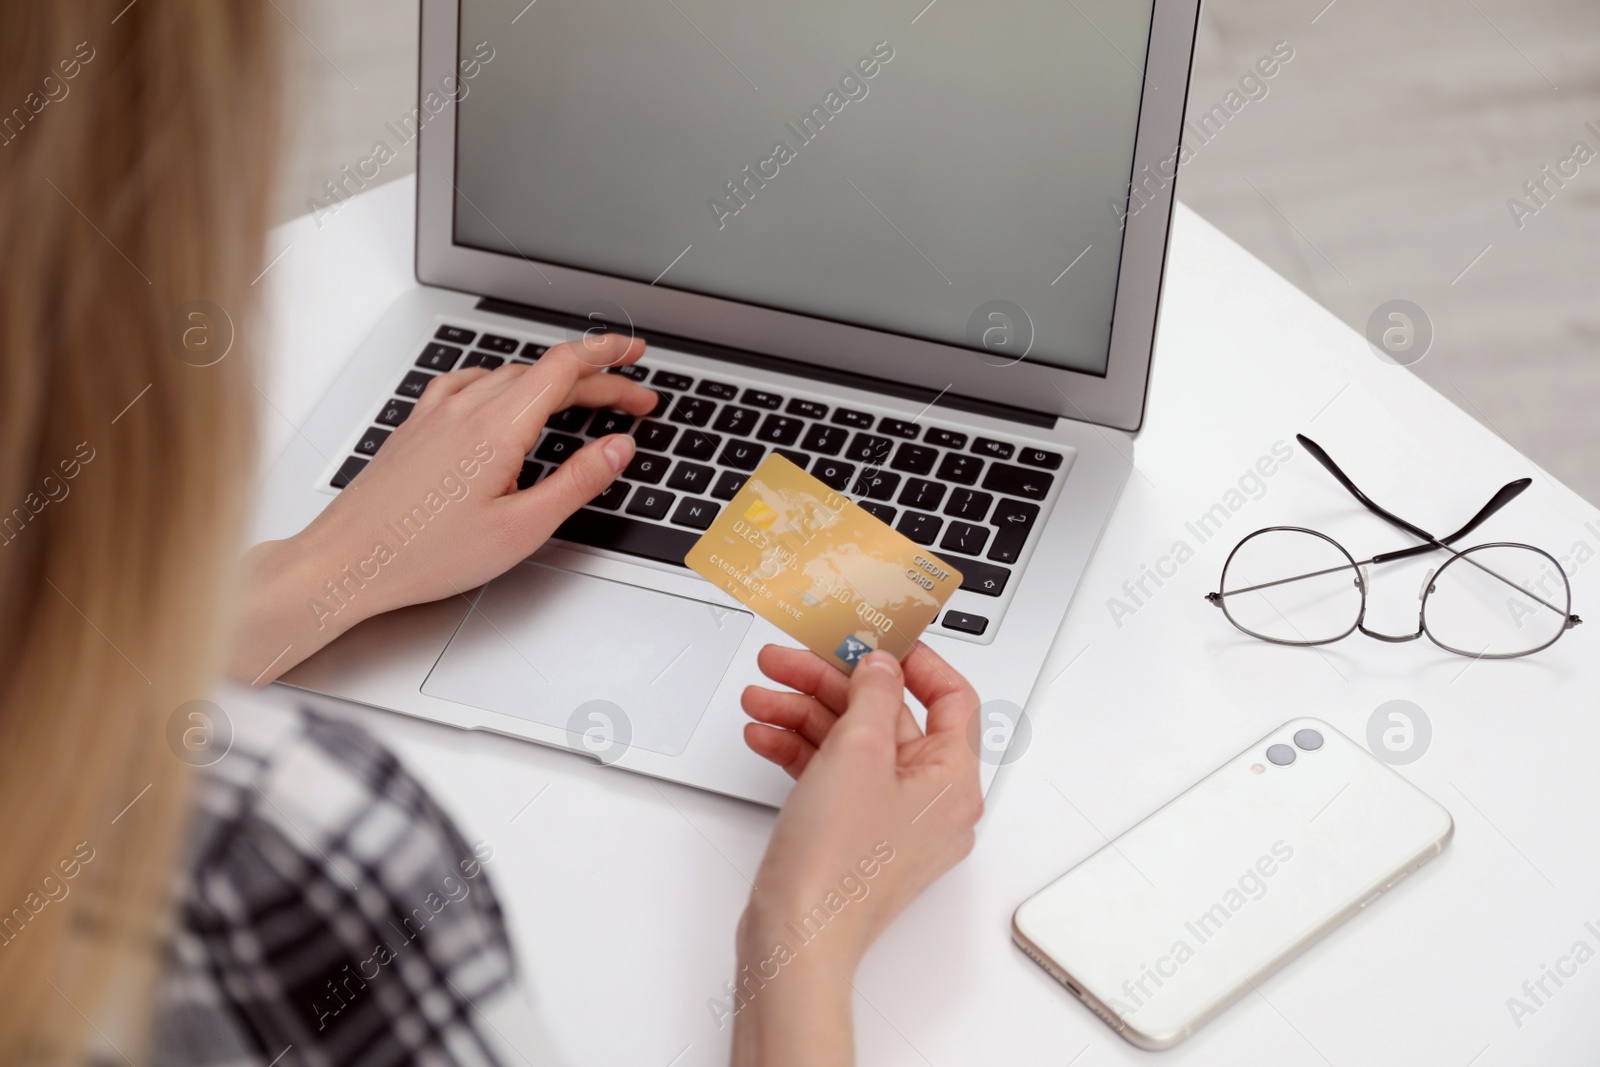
859,162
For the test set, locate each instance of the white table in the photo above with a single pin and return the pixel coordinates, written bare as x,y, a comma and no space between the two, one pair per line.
623,892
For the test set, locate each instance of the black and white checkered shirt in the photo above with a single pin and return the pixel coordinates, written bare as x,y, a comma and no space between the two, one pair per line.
330,914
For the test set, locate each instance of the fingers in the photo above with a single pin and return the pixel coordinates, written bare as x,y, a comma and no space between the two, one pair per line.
544,390
876,697
537,511
804,715
807,672
497,381
613,391
906,729
950,700
787,749
446,385
600,348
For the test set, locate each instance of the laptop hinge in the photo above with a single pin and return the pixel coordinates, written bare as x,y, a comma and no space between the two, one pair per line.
781,365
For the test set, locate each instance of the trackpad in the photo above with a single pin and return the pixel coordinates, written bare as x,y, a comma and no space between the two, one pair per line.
550,645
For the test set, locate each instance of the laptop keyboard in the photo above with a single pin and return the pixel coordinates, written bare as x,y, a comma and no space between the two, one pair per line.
973,500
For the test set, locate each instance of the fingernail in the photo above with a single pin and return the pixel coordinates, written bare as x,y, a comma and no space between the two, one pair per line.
618,450
880,660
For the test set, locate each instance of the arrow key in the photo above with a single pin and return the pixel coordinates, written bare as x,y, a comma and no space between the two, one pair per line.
980,577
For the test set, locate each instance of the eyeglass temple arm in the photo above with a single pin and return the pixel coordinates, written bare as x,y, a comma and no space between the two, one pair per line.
1507,493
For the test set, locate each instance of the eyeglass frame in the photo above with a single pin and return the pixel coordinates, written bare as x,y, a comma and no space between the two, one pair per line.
1507,493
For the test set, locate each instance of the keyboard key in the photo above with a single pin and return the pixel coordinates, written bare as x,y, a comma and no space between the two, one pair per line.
613,496
556,447
881,512
728,484
945,438
696,513
963,470
495,343
920,493
868,449
647,467
697,444
348,470
987,446
969,504
456,335
914,459
569,420
779,430
760,398
529,474
372,440
668,380
413,384
920,527
833,473
395,412
741,455
741,421
1017,481
1012,520
662,400
632,370
980,577
826,440
1038,457
898,428
807,409
717,390
532,352
602,529
799,459
962,623
876,483
650,502
965,537
655,436
859,419
437,357
691,477
609,421
691,410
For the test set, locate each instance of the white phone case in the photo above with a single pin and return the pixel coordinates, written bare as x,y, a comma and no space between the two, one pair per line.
1170,923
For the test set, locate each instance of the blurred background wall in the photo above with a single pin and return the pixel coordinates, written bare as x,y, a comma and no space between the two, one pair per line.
1379,164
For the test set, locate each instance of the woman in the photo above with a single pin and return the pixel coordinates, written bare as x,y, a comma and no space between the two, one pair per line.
134,170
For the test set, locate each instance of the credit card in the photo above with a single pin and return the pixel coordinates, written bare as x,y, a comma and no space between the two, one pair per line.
821,568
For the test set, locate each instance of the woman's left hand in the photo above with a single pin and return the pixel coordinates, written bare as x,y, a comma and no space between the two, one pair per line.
437,512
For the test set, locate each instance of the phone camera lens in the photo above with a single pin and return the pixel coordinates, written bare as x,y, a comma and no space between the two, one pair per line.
1309,740
1282,755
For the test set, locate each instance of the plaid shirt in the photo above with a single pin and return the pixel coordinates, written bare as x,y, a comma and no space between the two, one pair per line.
329,913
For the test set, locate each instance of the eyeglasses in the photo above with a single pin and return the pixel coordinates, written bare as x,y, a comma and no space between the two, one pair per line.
1294,586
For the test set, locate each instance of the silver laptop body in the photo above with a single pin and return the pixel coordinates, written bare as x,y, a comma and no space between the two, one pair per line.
918,253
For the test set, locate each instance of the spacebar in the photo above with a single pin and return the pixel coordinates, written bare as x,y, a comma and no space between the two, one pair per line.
621,534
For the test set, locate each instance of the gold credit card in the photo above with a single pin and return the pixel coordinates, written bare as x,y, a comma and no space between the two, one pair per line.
821,568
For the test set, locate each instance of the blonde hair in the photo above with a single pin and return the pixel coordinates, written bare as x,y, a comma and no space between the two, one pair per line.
135,162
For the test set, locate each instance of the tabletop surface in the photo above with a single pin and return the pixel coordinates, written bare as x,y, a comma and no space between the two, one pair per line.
622,892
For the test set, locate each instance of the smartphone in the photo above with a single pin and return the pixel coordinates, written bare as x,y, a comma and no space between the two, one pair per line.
1164,927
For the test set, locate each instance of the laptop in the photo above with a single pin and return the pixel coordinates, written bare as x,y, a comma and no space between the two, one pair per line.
915,248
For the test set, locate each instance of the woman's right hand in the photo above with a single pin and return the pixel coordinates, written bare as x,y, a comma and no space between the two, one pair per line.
880,810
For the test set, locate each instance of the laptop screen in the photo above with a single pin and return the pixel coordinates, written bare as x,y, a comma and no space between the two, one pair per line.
957,175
